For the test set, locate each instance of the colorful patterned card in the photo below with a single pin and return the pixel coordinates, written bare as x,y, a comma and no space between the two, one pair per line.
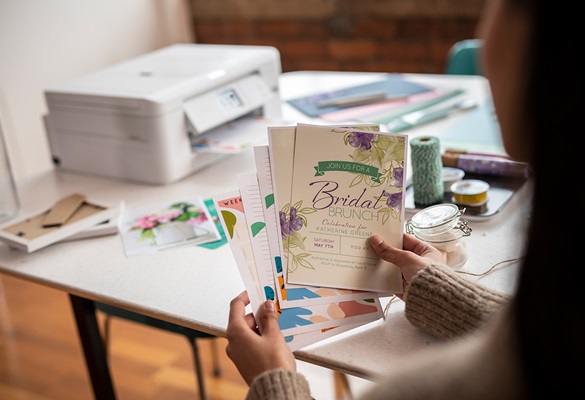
290,295
292,321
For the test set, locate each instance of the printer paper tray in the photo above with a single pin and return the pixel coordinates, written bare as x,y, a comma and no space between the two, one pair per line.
234,137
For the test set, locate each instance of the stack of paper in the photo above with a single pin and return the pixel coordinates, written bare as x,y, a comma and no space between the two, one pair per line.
392,88
299,226
385,102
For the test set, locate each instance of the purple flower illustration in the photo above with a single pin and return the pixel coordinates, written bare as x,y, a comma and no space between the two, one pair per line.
284,226
397,174
288,227
394,200
363,140
296,223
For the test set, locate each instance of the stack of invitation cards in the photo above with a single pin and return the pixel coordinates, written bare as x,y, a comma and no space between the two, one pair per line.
299,226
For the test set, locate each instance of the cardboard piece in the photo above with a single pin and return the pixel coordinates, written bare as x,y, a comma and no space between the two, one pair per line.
63,210
33,233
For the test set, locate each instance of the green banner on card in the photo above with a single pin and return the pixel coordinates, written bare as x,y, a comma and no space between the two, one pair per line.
347,166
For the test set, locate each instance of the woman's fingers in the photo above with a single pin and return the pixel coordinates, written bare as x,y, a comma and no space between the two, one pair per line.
237,316
415,256
391,254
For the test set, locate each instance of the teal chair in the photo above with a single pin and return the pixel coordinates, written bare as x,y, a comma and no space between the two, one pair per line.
464,58
191,335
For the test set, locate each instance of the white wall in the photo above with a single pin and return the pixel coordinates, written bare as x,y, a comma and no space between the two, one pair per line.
46,42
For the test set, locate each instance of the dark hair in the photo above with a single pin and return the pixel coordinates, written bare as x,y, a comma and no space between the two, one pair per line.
549,307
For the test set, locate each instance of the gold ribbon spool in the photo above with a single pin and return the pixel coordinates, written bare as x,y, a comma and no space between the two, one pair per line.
470,192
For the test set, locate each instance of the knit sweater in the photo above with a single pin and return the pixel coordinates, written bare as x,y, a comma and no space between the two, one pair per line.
445,304
477,363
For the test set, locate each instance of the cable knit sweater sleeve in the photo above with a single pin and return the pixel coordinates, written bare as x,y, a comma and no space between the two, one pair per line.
443,303
439,301
279,384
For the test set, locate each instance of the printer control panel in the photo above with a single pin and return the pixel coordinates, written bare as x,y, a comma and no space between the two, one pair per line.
229,100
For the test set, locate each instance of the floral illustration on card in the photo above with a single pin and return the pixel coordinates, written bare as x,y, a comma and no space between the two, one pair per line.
156,226
376,161
386,153
292,219
179,219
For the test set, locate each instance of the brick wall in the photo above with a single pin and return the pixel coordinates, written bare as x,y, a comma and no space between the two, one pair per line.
344,35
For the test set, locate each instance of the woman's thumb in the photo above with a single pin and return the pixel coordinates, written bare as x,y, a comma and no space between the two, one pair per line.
382,249
267,318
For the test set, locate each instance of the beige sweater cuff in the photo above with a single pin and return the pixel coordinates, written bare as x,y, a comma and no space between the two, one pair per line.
279,384
445,304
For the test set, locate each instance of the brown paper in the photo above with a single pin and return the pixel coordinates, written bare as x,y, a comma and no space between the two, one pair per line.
63,210
34,227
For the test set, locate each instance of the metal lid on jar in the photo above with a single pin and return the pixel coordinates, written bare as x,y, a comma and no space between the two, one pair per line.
449,176
438,223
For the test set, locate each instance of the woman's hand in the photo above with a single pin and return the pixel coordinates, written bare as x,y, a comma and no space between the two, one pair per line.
415,256
253,352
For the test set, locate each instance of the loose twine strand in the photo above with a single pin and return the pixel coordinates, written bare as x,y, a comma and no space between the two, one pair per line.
482,274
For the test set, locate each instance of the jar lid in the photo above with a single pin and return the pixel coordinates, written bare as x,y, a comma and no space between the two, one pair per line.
438,223
437,215
449,176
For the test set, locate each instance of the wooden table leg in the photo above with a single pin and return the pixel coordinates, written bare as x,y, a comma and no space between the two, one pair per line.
341,386
93,348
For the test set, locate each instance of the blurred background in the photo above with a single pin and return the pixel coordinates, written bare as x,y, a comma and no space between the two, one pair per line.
342,35
45,43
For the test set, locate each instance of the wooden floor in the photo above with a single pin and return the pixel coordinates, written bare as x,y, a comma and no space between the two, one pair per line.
41,357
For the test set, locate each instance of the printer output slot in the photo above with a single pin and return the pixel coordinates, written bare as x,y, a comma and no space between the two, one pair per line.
195,136
235,136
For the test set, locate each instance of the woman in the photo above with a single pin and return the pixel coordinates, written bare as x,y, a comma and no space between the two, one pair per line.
528,347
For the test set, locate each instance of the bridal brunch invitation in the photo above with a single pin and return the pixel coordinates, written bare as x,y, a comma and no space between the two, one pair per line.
299,226
347,185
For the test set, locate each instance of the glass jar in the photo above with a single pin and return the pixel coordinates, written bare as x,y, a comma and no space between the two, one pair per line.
442,227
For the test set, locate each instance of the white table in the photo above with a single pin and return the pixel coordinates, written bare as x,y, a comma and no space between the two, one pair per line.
192,286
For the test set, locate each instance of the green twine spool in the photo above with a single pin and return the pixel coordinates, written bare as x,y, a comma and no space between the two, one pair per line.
426,170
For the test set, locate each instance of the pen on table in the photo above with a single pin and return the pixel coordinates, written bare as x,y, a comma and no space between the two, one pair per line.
416,118
475,153
358,100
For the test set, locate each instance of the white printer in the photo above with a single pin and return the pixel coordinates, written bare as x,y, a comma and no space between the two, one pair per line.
136,120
